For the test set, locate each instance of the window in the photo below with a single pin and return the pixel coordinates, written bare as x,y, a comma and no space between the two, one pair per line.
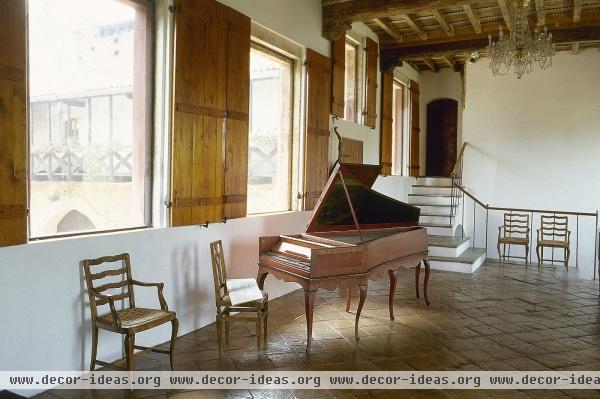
398,127
351,81
271,131
88,116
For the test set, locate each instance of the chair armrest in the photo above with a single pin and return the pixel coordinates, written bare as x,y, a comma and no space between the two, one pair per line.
159,286
111,304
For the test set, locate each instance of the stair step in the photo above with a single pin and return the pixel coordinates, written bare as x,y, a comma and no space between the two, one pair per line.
432,195
431,185
436,205
470,256
447,226
446,215
446,241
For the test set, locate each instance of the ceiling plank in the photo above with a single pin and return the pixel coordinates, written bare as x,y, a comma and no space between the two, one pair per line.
364,10
541,12
449,61
412,22
430,64
419,50
577,10
449,29
472,17
389,29
505,13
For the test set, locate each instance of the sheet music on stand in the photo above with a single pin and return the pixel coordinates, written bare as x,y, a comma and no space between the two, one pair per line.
243,290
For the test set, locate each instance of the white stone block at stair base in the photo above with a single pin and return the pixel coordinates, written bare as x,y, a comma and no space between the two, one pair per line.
437,210
449,251
441,231
457,266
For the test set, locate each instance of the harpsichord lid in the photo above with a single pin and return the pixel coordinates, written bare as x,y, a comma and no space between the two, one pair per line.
348,202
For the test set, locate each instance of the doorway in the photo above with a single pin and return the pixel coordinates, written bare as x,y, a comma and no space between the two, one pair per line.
442,121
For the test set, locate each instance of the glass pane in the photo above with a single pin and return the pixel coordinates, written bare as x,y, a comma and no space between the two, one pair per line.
350,99
398,134
84,70
269,169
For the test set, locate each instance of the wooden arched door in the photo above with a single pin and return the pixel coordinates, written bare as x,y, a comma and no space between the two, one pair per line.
442,122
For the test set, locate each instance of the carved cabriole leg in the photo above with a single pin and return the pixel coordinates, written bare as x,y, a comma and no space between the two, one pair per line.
393,281
426,283
94,347
361,302
348,298
219,329
309,307
129,351
260,279
417,275
174,330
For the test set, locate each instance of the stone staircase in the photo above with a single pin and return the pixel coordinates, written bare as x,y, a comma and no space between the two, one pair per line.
448,249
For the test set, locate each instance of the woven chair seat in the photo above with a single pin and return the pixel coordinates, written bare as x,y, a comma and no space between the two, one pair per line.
552,243
226,301
513,240
136,317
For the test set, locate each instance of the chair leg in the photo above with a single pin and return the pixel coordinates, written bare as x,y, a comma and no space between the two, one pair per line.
258,330
129,342
94,348
219,331
174,330
265,321
567,256
226,326
526,255
539,256
499,254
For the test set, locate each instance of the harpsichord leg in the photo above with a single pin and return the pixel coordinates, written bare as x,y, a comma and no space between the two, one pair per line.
393,281
348,298
260,279
417,275
426,283
363,296
309,307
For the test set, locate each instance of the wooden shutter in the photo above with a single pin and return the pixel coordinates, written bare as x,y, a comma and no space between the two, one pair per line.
13,127
238,100
210,122
351,151
316,149
414,164
338,76
387,121
372,50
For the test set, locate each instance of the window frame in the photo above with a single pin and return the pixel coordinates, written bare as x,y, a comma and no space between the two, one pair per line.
398,168
357,72
149,8
282,55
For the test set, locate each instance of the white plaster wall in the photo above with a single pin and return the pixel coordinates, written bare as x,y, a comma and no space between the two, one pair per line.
45,321
444,84
534,143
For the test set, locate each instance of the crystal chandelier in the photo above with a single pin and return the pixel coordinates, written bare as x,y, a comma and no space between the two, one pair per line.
521,48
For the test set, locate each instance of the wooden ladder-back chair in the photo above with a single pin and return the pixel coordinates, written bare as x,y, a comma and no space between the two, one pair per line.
514,231
224,306
554,233
129,320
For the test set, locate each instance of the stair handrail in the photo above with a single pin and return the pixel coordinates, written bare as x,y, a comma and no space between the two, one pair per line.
456,181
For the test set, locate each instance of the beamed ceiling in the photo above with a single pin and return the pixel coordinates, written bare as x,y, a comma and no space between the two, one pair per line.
434,34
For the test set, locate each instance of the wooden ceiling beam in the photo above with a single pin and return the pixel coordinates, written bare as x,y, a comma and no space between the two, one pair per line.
412,22
473,18
364,10
577,10
449,29
572,34
541,12
449,61
430,64
389,29
505,13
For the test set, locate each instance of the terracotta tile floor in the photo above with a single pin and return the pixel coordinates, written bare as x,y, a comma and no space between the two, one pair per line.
499,318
